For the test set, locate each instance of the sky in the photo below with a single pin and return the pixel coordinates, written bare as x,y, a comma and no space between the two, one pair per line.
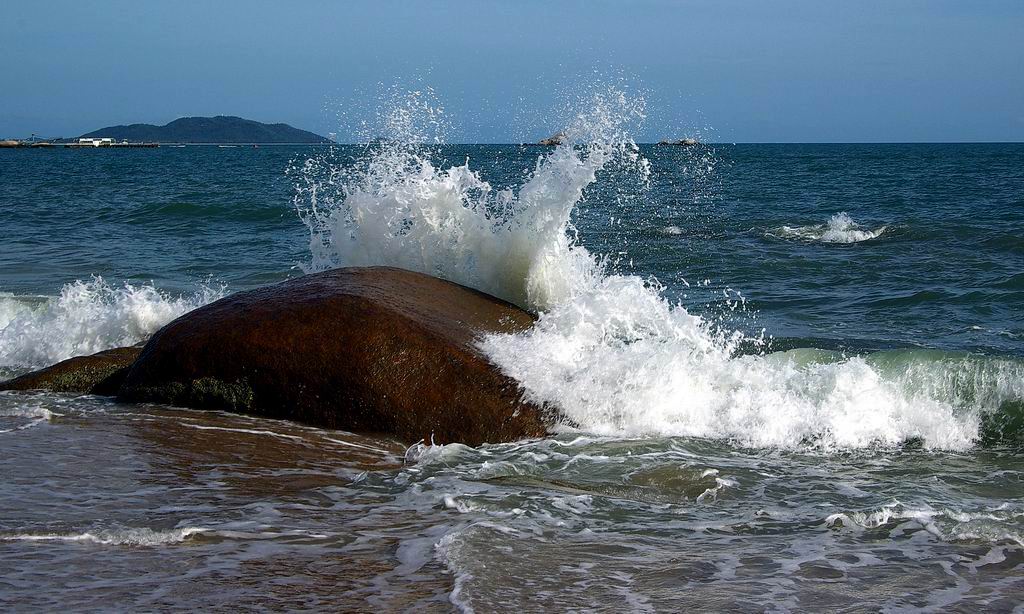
506,71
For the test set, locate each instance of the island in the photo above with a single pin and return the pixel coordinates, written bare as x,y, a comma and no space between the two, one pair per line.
219,129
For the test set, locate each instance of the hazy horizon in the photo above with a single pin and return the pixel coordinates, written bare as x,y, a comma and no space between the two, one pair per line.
792,72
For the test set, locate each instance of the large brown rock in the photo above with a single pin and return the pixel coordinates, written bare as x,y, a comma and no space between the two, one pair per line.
100,373
376,349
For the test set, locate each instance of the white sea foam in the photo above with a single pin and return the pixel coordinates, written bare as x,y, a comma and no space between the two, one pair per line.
840,229
992,526
112,537
87,317
264,432
609,352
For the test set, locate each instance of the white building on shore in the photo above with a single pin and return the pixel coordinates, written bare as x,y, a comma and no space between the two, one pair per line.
96,142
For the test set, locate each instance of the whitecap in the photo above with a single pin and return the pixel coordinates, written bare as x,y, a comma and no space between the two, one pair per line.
840,229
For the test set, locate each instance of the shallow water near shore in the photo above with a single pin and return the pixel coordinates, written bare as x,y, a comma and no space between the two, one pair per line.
151,507
818,405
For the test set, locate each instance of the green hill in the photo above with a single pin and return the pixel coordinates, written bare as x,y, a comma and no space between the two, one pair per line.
219,129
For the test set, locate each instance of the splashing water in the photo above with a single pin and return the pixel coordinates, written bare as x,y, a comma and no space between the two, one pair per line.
840,229
398,209
87,317
609,352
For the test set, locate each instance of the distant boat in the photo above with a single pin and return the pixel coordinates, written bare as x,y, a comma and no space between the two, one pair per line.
175,145
227,146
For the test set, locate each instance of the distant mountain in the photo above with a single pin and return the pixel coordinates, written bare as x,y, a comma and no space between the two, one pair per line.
220,129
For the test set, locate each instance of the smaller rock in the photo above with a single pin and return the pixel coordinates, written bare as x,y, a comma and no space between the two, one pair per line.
100,373
555,139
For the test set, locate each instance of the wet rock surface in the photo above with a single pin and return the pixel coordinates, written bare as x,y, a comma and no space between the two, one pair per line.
375,349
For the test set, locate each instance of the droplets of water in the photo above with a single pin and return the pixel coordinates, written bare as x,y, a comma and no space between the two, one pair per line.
396,208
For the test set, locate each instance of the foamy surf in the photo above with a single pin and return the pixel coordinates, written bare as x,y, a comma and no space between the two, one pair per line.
840,229
87,317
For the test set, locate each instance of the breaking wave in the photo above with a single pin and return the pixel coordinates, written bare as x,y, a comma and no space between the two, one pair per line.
840,229
609,352
87,317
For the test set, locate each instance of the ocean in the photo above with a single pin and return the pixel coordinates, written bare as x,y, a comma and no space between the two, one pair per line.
791,378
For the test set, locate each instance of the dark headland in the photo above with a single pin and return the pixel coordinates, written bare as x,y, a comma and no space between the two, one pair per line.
219,129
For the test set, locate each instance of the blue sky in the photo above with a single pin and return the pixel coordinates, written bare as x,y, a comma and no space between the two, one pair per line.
790,71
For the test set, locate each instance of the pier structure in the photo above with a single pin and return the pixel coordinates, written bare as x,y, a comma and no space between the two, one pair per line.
107,142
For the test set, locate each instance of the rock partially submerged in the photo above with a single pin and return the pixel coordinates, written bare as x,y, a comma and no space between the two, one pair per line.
362,349
100,373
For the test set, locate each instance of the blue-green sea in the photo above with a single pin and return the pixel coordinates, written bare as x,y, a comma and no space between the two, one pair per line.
792,377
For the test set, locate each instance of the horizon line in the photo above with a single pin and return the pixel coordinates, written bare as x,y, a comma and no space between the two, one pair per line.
534,144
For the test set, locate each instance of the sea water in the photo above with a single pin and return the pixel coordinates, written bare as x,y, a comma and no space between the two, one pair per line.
788,377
